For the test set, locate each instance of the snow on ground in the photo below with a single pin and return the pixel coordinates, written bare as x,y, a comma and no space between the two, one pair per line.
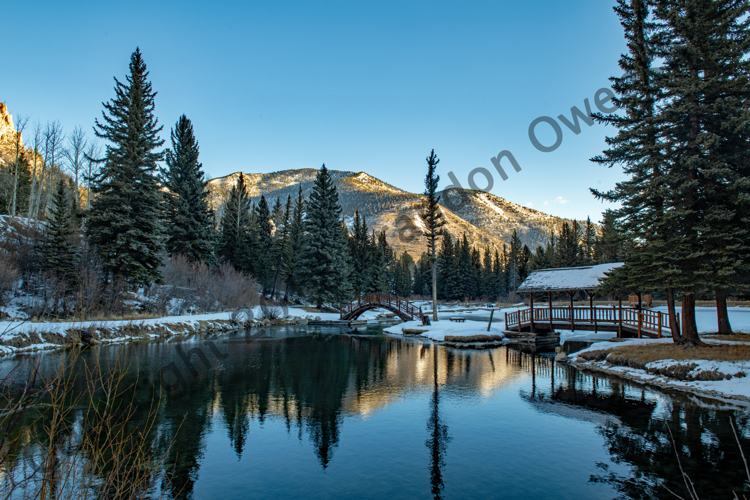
10,329
734,388
705,318
475,324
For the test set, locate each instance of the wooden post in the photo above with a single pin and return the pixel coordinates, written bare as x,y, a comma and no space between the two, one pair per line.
591,307
619,326
492,313
572,325
640,318
549,297
531,302
593,314
658,335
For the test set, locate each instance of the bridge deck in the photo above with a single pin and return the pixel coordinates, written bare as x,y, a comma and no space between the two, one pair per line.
633,321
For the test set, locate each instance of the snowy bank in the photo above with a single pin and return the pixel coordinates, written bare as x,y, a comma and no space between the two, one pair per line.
724,380
438,330
27,336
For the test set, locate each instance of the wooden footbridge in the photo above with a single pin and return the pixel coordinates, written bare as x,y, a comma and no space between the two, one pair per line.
397,305
626,321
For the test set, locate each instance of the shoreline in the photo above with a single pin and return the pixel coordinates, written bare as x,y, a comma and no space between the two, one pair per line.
658,382
19,337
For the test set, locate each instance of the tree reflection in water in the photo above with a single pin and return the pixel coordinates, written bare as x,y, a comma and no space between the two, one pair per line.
311,381
438,441
634,422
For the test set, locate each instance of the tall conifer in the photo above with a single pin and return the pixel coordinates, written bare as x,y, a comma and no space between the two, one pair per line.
189,221
324,253
124,222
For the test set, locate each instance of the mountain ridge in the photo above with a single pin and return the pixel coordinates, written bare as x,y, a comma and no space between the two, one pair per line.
488,220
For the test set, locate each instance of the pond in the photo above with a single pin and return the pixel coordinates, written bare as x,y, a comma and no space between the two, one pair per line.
303,412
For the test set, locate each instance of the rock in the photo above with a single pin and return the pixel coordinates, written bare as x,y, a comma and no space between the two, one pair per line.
560,356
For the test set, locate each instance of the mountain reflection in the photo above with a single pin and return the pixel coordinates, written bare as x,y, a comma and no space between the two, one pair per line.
315,382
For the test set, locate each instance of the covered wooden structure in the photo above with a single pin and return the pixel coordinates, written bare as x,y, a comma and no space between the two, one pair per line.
572,280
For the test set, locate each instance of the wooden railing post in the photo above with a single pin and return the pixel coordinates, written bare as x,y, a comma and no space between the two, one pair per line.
659,325
640,322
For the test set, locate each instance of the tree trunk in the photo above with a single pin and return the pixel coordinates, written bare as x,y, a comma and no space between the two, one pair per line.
676,336
725,328
689,327
434,288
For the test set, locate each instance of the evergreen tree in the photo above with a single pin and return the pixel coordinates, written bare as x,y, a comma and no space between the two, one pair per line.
281,244
707,110
236,244
433,218
404,268
423,276
513,276
58,250
124,222
189,220
640,148
567,251
291,266
448,285
486,280
589,239
360,254
378,281
499,285
611,245
324,258
263,259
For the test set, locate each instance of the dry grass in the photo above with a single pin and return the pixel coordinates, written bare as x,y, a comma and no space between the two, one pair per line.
737,337
100,316
639,355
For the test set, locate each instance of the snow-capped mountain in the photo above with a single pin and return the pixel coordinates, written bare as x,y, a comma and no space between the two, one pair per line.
487,220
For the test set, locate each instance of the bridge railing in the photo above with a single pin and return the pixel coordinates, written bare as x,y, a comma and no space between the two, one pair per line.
643,319
385,299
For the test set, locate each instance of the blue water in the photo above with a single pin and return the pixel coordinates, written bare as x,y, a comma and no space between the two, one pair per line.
319,413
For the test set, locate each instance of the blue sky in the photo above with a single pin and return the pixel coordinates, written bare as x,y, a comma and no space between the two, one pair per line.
360,85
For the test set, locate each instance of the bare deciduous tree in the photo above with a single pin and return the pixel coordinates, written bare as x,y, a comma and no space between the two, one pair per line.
93,152
52,141
75,154
20,126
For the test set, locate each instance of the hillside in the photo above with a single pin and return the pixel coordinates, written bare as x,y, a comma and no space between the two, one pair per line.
485,218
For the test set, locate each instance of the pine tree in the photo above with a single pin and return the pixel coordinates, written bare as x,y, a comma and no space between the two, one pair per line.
611,245
324,254
281,246
124,222
486,288
263,259
589,239
640,148
448,286
706,81
567,251
236,244
378,281
360,254
292,268
189,220
499,287
58,250
433,218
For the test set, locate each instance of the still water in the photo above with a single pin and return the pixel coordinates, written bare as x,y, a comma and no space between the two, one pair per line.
300,412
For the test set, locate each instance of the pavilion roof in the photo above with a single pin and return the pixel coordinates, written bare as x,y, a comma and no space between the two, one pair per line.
566,279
